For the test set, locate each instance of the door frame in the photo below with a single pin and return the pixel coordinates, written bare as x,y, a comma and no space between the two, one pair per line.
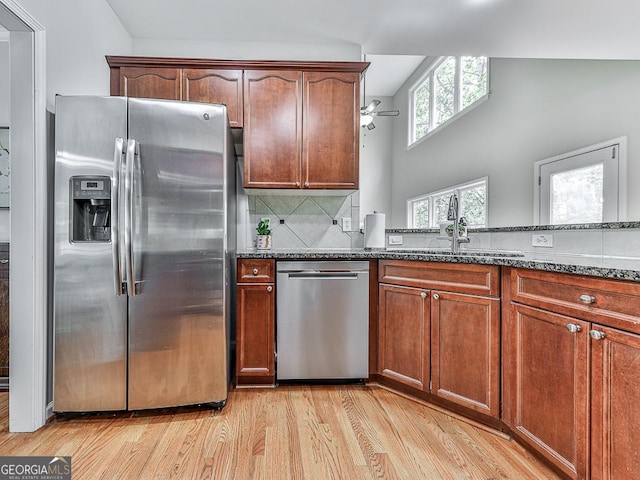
28,254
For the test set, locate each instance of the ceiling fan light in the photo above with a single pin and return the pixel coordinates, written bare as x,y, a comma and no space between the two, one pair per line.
365,120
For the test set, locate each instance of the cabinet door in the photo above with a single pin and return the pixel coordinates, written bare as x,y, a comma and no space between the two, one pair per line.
215,86
546,380
403,349
331,121
465,350
256,334
272,129
615,418
150,82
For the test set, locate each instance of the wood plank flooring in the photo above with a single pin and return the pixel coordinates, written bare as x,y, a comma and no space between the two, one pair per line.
292,432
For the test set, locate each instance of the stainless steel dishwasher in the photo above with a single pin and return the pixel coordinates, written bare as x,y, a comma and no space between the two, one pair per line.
322,320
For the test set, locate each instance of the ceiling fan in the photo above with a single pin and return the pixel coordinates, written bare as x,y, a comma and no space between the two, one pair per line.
367,113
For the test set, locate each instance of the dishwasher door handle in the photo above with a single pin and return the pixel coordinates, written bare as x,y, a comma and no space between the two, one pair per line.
324,275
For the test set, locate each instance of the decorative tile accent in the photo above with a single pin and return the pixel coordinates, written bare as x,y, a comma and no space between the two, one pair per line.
299,222
334,205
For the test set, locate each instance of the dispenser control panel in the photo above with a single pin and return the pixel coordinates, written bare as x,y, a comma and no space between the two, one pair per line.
98,187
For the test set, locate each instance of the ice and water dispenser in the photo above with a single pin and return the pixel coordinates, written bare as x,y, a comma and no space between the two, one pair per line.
90,209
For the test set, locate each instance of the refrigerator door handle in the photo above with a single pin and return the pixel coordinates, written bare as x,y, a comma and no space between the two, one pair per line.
115,210
128,216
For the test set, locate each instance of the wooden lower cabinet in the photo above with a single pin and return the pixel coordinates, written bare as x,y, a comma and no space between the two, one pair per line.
444,343
403,335
615,397
571,371
255,333
465,350
546,385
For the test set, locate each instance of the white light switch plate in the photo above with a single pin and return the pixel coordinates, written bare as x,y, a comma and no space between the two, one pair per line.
542,241
346,224
395,239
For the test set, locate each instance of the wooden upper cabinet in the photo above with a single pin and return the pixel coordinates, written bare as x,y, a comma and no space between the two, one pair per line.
331,116
272,129
215,86
144,82
301,120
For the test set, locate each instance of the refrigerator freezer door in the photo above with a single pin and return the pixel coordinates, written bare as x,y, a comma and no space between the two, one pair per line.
177,331
90,321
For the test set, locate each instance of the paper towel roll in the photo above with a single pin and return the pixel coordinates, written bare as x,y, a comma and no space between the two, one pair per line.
374,230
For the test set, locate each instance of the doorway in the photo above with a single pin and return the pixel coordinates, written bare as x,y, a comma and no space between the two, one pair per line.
28,220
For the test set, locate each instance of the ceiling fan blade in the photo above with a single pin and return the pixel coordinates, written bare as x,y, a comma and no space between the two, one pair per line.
369,108
385,113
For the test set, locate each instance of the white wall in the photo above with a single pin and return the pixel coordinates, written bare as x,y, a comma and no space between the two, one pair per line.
537,109
375,163
5,119
79,35
246,50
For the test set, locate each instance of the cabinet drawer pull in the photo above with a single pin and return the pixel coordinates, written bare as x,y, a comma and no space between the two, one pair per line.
423,295
436,296
269,288
587,299
573,328
297,184
596,334
306,184
255,271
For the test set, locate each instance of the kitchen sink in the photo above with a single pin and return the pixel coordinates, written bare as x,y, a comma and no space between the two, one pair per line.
465,252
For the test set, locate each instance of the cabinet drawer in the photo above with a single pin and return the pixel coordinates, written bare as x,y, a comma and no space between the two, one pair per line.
450,277
255,271
611,302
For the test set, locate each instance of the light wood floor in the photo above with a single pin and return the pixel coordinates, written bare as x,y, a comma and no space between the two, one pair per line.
296,432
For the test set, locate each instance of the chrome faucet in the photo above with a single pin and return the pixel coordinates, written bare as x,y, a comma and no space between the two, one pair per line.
454,214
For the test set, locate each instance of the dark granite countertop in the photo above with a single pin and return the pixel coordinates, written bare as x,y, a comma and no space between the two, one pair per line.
622,268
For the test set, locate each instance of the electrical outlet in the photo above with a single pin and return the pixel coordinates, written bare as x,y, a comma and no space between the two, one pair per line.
395,239
346,224
542,241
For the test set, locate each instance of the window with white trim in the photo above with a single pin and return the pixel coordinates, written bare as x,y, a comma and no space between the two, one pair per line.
583,186
426,211
452,85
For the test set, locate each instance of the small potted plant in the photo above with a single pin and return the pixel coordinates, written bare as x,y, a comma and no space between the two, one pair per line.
263,239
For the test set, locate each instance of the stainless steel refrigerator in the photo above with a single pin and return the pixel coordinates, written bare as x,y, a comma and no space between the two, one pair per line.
144,233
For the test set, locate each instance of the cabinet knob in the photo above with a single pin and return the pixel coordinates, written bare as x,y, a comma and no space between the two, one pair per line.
573,328
269,289
306,184
423,295
436,296
297,184
587,299
255,271
596,334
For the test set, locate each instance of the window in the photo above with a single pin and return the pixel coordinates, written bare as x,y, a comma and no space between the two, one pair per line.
583,186
426,211
449,87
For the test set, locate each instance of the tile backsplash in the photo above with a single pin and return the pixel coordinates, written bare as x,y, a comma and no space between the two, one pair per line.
301,221
595,242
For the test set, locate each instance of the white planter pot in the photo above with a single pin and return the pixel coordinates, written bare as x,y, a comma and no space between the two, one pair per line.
263,242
